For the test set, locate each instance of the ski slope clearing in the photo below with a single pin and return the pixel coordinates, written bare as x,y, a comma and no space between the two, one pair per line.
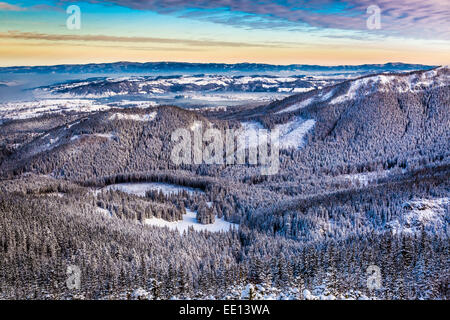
292,133
321,97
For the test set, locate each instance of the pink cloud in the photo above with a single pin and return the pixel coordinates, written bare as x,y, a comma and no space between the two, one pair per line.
10,7
412,18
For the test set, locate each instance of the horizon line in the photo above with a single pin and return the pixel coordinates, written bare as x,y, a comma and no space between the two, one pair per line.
220,63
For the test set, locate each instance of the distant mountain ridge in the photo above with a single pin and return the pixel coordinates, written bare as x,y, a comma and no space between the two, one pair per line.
154,67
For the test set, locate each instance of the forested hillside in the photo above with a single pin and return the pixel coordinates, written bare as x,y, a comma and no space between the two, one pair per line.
368,184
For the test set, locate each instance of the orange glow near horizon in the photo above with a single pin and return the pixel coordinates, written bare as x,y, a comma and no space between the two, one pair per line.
28,53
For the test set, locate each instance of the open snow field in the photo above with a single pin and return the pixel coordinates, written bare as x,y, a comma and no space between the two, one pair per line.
190,220
139,189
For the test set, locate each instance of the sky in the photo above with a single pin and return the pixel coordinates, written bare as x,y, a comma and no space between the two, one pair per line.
319,32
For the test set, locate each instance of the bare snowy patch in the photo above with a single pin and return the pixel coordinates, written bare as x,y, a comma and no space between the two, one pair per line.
104,212
297,106
250,129
366,178
140,189
190,220
430,214
292,133
320,97
108,136
134,117
134,103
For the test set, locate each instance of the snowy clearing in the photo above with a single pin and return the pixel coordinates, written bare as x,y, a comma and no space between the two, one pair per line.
134,103
365,178
139,189
104,212
190,220
109,136
134,117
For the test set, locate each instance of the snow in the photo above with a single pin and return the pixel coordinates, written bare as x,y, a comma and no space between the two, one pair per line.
190,220
271,80
134,103
52,141
140,294
104,135
321,97
158,86
415,82
248,291
366,178
299,90
134,117
268,292
100,135
294,90
292,133
297,106
431,214
326,96
104,212
51,144
251,133
231,96
352,91
196,125
30,109
214,108
284,89
140,189
73,124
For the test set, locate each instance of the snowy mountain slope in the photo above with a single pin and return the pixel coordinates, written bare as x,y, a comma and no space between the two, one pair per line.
379,117
414,82
372,176
102,141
